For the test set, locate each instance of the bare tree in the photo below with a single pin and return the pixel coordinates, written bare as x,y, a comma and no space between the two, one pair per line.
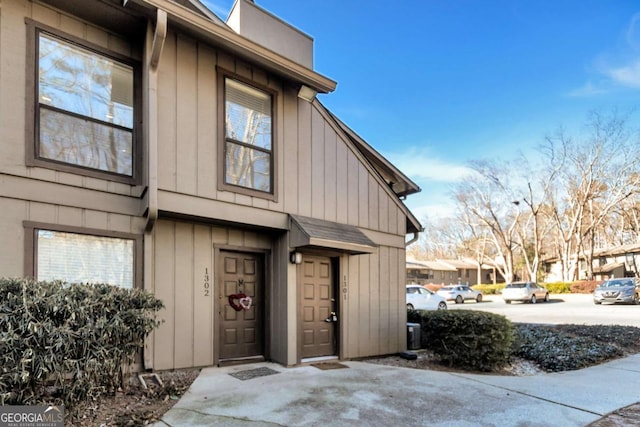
536,224
594,175
438,240
488,199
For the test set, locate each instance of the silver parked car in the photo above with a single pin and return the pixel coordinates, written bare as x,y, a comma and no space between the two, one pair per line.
525,291
626,290
459,293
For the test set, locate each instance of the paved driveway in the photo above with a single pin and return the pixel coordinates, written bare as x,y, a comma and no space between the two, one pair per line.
561,309
363,394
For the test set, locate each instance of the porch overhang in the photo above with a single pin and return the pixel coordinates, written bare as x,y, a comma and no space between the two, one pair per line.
608,268
319,234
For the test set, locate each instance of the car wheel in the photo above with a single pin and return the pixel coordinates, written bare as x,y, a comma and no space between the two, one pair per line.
533,299
409,306
507,301
459,299
479,298
442,305
596,302
546,297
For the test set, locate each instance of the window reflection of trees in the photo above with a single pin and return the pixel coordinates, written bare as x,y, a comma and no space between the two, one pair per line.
86,107
248,137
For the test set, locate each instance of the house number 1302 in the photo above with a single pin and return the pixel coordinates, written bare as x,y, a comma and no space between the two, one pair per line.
206,283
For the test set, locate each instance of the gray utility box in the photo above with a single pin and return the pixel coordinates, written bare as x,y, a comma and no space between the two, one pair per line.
413,336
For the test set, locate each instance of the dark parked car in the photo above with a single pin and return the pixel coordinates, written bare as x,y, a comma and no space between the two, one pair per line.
626,290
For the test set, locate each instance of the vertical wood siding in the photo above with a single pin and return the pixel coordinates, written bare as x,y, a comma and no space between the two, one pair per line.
13,103
375,307
318,172
12,232
183,256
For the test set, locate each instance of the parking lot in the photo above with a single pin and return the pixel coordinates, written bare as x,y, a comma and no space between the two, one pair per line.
561,309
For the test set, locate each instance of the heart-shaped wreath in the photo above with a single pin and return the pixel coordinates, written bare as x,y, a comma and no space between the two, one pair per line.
244,302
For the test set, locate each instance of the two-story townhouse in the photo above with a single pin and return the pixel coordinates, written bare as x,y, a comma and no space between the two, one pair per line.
148,143
608,263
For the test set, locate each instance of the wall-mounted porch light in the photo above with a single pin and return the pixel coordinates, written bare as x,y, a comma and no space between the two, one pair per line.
295,258
306,93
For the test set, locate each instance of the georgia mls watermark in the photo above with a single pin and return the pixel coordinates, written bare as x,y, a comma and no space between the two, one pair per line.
32,416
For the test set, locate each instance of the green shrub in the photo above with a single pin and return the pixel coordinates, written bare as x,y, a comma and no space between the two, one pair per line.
489,289
558,287
413,316
64,343
585,287
467,339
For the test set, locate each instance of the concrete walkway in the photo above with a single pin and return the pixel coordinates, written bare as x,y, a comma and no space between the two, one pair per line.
366,394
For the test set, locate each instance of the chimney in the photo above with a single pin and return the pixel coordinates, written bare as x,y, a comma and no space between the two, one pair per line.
258,25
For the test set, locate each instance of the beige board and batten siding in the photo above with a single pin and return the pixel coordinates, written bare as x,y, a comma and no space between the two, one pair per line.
374,304
16,211
184,278
41,195
14,48
318,172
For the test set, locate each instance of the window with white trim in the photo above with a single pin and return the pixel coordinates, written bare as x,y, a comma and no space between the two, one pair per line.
248,137
84,258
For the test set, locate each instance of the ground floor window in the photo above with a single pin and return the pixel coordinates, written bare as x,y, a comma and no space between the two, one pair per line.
76,257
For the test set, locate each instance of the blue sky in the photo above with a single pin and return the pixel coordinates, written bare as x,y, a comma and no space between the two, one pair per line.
432,84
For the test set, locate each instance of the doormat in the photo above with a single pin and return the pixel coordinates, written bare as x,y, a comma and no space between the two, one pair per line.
253,373
325,366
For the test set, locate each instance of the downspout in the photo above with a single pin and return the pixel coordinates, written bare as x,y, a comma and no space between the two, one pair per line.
159,37
150,87
416,236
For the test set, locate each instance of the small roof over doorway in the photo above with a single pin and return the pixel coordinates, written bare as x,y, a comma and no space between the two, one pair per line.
317,233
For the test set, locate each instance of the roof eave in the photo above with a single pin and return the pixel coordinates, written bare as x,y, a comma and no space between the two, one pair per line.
209,31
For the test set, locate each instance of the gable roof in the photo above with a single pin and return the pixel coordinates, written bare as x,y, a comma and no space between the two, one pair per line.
398,181
612,251
446,264
200,8
379,165
608,268
430,265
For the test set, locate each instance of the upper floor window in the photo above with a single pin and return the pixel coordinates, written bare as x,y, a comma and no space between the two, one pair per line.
248,139
85,109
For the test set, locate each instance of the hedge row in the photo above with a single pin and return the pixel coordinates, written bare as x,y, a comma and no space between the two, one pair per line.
64,343
583,287
489,289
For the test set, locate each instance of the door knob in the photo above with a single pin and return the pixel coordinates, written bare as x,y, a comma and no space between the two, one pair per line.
332,317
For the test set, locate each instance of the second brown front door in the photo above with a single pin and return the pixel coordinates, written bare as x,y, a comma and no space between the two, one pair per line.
319,320
241,328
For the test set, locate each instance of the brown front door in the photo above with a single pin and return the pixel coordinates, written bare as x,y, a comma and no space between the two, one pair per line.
241,329
318,305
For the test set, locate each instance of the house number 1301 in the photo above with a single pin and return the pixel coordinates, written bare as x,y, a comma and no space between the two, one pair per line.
206,283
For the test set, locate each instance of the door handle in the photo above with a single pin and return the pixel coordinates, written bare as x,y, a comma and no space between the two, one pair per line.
332,317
